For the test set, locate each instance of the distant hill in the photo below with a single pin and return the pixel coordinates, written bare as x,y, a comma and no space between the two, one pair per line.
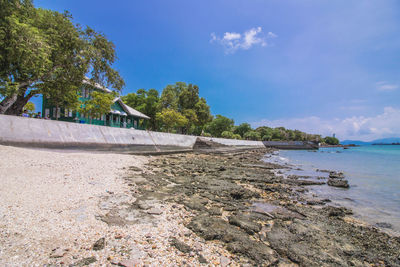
380,141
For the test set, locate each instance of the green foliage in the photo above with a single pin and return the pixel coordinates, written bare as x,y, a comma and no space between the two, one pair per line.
227,134
146,102
252,135
171,119
218,125
242,129
97,105
206,135
42,51
30,107
180,97
237,136
331,140
267,137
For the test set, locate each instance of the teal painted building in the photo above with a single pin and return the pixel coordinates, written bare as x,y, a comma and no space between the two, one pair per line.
120,115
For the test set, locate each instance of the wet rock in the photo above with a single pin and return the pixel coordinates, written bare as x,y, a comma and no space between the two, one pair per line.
339,175
315,202
142,205
384,225
196,203
337,211
99,244
180,245
237,240
214,211
249,226
338,183
85,262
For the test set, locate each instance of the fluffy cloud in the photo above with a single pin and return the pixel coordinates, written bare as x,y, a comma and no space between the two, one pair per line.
363,128
233,41
385,86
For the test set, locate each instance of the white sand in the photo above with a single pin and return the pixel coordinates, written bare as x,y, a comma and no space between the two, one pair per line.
47,197
49,201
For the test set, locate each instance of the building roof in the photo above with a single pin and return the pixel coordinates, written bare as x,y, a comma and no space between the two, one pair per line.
129,110
86,80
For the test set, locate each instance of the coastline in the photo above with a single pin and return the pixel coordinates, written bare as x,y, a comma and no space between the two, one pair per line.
224,208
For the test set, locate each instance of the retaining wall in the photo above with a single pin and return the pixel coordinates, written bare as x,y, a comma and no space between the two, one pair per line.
20,131
234,142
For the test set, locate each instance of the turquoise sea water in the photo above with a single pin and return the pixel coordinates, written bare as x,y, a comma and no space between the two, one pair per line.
373,173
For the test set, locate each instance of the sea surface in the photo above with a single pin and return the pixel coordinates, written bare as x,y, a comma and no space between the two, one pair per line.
373,173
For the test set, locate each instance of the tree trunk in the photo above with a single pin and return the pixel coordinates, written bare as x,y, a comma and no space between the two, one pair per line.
7,102
17,107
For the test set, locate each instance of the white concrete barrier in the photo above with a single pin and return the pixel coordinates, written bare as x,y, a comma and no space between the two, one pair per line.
50,133
234,142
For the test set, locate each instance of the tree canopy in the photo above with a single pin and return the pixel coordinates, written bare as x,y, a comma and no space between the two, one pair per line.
43,52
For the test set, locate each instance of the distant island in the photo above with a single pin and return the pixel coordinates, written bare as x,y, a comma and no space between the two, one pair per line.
383,141
386,144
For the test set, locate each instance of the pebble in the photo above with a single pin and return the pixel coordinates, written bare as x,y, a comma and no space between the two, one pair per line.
129,263
154,211
224,261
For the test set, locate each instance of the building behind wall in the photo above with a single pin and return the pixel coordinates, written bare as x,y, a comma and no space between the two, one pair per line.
120,115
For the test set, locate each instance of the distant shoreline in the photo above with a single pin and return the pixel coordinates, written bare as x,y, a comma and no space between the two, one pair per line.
344,146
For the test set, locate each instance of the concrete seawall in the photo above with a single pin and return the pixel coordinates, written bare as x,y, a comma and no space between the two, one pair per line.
234,142
28,132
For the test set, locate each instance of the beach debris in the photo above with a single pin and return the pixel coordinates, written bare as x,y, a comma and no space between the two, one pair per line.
99,244
129,263
180,245
58,253
85,261
202,259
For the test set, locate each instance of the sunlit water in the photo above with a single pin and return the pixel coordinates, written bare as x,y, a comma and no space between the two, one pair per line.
373,173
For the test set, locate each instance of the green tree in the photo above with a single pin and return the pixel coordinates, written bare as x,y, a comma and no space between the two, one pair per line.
42,51
252,135
203,112
171,119
242,129
331,140
218,125
146,102
192,120
237,136
170,96
30,107
227,134
98,104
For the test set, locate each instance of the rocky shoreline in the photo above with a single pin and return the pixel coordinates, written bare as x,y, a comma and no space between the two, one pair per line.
211,207
236,201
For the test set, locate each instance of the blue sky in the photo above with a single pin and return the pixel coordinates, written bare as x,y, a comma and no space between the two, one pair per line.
319,66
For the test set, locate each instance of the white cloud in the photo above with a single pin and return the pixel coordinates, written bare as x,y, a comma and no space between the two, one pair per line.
382,125
233,41
229,36
385,86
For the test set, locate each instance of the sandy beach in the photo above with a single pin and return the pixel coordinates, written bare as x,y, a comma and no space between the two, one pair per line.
50,204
